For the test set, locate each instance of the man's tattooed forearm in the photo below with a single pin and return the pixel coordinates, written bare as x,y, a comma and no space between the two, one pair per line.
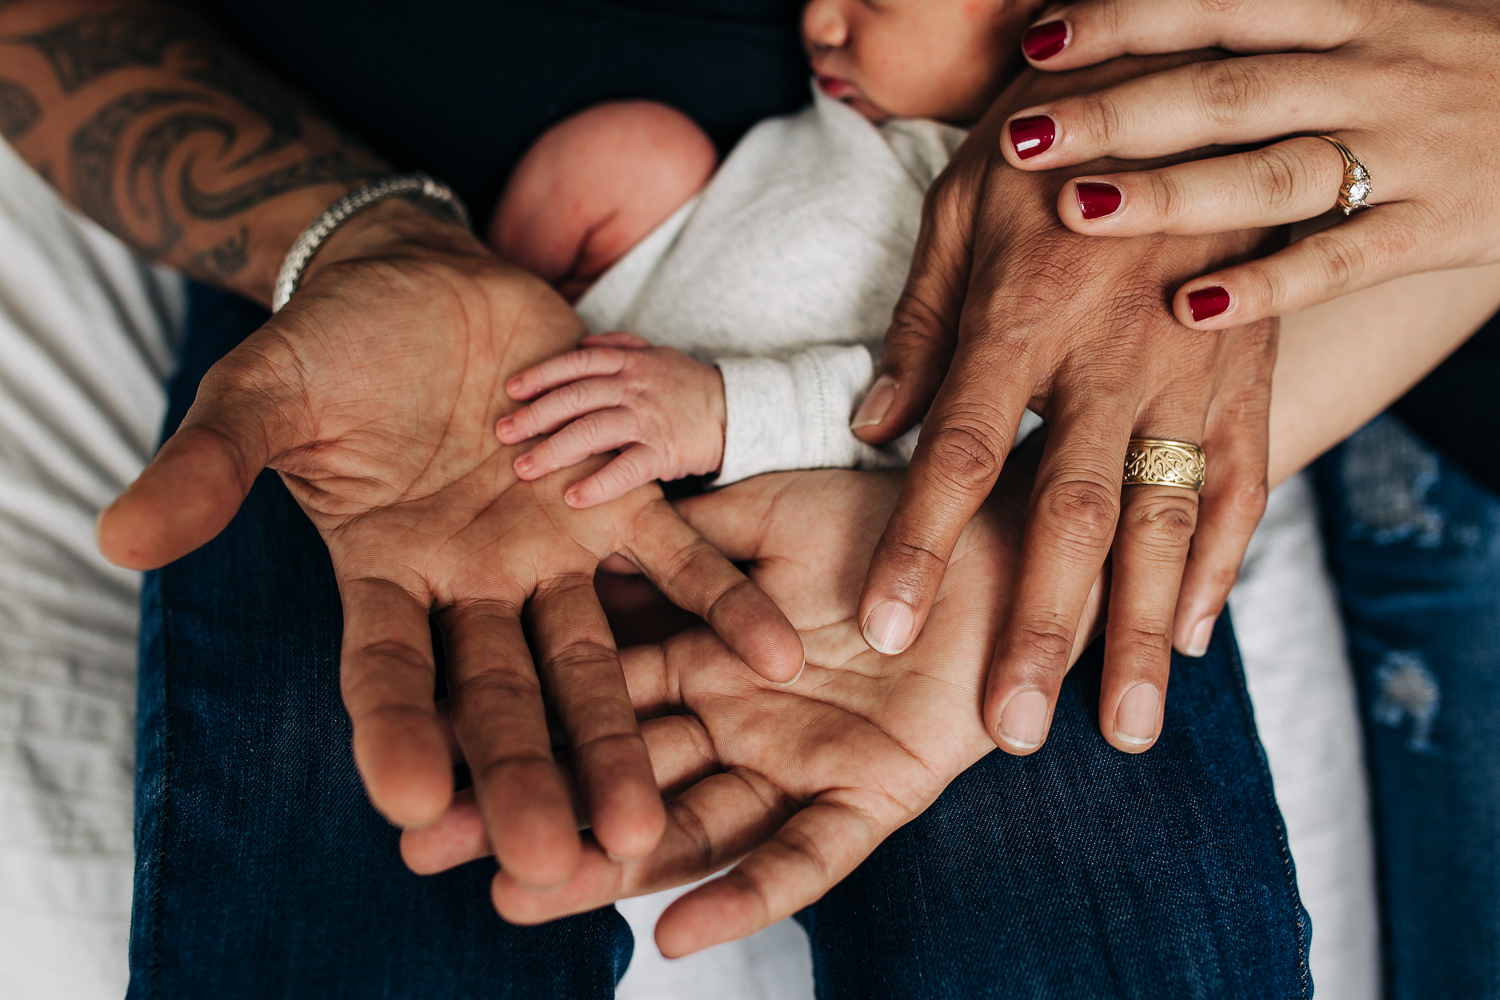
19,111
94,152
226,259
84,50
95,155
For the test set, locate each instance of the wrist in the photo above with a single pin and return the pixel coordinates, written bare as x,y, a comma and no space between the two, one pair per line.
395,227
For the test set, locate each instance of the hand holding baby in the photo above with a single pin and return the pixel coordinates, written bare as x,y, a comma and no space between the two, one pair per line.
664,409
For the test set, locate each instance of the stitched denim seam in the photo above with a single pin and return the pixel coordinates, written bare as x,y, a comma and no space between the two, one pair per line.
153,976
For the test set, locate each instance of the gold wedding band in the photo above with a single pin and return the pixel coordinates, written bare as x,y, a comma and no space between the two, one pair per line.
1354,193
1156,462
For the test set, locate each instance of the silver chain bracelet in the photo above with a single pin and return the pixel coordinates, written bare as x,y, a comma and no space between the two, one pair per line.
417,186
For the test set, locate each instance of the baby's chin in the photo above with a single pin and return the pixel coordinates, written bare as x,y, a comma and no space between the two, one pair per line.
847,93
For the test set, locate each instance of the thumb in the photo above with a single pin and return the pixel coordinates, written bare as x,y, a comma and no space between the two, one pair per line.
197,481
924,327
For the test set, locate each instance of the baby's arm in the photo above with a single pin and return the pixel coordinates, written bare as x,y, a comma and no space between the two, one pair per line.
663,408
595,185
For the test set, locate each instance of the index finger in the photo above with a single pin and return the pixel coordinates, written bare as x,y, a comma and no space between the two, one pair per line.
1091,32
968,433
696,576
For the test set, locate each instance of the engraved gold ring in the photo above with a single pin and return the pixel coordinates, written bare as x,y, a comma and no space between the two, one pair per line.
1354,193
1157,462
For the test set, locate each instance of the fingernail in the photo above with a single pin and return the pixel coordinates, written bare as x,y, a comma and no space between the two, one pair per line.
888,628
1031,136
573,498
513,386
524,463
1023,723
1045,40
1206,303
1135,719
504,427
1203,633
1096,200
876,405
800,671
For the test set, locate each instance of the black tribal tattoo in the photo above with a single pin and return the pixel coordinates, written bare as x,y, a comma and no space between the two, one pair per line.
128,164
19,111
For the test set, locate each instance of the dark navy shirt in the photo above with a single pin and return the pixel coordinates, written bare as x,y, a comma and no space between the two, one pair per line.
459,88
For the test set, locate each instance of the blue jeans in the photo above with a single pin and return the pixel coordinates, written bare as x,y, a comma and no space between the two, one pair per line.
1078,872
1415,547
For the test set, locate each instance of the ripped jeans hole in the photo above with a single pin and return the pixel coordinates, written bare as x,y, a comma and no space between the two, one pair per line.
1407,691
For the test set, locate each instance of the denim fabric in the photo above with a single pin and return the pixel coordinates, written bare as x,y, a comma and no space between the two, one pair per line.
1076,873
1414,544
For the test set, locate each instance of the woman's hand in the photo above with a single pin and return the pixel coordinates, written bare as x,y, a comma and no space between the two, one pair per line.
1030,314
375,393
1409,86
803,781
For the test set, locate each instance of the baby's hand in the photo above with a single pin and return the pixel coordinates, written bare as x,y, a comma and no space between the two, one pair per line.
618,390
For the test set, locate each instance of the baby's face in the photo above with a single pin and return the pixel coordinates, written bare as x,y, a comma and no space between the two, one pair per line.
944,59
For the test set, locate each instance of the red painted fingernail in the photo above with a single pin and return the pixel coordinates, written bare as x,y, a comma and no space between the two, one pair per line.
1096,200
1033,135
1045,40
1206,303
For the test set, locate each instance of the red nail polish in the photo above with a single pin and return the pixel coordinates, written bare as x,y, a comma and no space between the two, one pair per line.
1045,40
1033,135
1096,200
1206,303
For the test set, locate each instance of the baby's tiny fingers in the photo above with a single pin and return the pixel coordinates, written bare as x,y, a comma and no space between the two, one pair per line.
635,467
559,406
593,434
566,368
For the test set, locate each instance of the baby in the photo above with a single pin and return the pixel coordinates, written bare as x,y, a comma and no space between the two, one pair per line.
767,287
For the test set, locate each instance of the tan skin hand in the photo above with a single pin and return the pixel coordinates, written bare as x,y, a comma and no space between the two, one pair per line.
1004,309
665,410
374,394
801,782
1407,85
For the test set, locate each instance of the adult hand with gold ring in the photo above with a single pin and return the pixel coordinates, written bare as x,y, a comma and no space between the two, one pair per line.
1405,85
1005,308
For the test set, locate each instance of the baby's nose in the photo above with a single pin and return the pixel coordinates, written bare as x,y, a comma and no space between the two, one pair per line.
824,25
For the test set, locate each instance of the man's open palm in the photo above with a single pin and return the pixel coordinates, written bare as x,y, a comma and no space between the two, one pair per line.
374,394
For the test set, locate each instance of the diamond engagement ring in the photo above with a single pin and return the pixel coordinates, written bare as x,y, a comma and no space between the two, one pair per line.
1156,462
1355,192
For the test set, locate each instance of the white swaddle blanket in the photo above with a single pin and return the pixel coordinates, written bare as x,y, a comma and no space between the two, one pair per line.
86,341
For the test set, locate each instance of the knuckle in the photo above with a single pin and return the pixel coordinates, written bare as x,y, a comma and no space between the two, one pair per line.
1275,178
1164,520
1245,503
1047,639
1215,9
1166,194
967,456
1144,637
1086,508
1101,119
1343,263
1231,90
